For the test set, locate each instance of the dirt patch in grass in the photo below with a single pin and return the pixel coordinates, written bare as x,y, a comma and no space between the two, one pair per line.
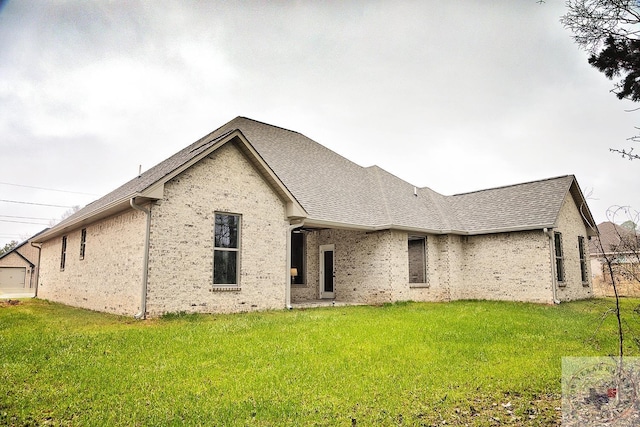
8,302
510,410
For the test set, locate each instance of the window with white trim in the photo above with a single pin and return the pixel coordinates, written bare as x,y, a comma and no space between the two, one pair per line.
226,252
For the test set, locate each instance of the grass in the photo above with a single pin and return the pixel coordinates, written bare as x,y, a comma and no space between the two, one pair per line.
463,363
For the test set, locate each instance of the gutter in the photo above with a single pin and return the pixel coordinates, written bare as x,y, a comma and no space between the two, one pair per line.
39,247
554,285
145,263
287,296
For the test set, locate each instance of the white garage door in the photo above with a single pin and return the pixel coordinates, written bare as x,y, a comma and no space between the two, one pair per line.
12,277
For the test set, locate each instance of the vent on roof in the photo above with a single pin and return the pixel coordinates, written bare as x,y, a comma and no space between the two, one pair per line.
415,191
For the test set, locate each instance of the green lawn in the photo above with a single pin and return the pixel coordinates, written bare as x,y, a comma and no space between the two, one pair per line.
467,362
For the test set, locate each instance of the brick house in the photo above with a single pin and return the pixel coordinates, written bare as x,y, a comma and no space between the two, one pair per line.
254,217
622,247
18,269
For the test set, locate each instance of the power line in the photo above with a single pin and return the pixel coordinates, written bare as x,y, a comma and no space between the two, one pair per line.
48,189
24,217
37,204
22,222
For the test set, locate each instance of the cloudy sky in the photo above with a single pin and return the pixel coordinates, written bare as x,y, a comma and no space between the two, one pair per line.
455,96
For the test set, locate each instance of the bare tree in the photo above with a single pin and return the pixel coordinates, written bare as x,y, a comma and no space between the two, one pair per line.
619,252
621,245
609,30
65,215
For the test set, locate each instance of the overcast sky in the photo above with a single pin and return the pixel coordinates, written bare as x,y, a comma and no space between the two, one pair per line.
455,96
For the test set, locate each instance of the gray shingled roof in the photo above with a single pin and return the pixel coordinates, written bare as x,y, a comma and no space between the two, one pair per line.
614,238
529,205
332,189
146,179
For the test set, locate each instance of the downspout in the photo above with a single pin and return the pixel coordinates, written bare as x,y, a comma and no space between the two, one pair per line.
288,288
39,247
145,263
554,285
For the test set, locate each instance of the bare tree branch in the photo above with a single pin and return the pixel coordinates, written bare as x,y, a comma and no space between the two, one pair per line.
609,30
627,154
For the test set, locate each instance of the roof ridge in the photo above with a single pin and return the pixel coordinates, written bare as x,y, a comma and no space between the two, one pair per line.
443,207
265,124
376,171
390,173
331,187
512,185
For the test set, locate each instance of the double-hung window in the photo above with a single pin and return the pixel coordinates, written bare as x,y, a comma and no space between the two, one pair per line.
557,240
226,252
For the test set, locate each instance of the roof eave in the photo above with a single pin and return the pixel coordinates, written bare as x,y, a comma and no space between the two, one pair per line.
108,210
533,227
320,223
293,208
14,251
583,208
155,191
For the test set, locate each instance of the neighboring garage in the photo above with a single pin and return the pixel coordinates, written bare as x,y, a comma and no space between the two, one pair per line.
18,269
12,278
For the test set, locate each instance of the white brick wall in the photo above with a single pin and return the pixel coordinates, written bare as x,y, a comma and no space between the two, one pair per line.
367,266
517,266
181,247
508,266
110,275
571,225
182,229
371,267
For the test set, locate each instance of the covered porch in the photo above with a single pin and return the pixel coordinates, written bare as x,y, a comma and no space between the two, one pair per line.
337,267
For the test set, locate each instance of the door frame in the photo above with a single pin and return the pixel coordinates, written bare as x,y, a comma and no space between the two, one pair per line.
322,293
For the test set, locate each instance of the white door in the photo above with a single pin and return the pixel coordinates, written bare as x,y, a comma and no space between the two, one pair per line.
327,272
12,277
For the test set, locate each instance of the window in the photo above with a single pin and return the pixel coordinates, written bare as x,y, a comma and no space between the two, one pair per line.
417,259
297,258
583,261
63,254
557,239
83,242
226,253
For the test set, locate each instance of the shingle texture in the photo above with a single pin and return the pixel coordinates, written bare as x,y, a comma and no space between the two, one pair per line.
614,238
331,188
527,205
